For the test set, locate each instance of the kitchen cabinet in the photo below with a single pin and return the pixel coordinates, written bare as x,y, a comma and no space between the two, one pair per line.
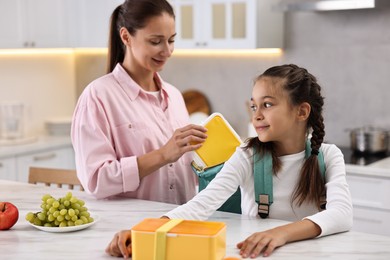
34,23
210,24
371,200
50,152
91,22
372,221
227,24
7,168
61,158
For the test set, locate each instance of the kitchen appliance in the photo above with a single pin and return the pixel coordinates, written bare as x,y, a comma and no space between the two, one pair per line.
322,5
12,120
369,139
58,126
356,158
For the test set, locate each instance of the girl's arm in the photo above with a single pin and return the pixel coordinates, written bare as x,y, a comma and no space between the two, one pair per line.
336,218
267,241
226,182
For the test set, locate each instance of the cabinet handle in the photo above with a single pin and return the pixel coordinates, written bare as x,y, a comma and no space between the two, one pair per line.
32,44
203,44
44,157
25,44
1,165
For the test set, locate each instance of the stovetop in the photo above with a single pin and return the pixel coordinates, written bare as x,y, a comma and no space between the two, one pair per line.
352,157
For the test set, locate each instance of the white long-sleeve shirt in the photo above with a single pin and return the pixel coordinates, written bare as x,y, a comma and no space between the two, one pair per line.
238,171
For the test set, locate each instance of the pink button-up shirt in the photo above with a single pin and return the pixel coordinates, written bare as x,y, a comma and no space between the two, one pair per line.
115,121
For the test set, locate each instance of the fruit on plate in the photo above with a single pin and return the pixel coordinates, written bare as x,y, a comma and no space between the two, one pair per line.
9,215
63,212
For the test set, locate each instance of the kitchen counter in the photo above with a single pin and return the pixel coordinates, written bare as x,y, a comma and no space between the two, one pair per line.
45,151
372,165
368,170
369,186
35,145
25,242
357,158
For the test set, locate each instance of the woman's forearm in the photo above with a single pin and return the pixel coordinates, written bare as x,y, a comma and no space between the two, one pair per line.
150,162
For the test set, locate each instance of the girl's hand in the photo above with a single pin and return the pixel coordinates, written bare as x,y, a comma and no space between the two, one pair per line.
265,242
185,139
120,245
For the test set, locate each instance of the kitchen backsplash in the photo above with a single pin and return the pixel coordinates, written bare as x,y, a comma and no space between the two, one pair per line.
348,51
44,82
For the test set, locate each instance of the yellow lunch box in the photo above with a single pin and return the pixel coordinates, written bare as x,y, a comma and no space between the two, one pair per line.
176,239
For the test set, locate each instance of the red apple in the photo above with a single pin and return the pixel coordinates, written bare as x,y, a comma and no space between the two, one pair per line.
9,215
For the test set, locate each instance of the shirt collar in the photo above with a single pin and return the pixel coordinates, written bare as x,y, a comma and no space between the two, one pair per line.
132,88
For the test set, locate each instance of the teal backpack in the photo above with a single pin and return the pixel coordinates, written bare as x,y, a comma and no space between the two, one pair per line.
262,170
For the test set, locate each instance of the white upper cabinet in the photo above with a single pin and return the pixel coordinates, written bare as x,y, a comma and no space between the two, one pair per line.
10,24
213,24
34,23
55,23
91,24
227,24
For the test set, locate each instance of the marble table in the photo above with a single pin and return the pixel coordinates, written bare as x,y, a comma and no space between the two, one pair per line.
25,242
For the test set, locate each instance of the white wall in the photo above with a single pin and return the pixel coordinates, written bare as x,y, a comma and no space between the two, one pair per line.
349,51
44,82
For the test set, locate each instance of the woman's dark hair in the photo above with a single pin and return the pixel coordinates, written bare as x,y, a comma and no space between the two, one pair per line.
301,86
133,15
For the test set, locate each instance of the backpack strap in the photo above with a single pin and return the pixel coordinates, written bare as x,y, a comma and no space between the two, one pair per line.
263,176
263,183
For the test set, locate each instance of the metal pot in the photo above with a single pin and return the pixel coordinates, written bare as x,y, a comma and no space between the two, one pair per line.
369,140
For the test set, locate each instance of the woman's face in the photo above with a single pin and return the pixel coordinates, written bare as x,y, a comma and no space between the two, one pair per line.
152,45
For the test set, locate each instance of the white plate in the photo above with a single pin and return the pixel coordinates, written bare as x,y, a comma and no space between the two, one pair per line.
65,229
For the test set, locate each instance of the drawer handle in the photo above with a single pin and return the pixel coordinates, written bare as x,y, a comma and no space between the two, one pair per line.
44,157
367,203
374,221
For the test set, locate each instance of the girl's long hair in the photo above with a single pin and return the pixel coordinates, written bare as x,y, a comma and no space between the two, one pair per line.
301,86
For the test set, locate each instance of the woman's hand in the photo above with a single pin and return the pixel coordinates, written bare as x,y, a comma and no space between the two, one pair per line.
185,139
120,245
262,242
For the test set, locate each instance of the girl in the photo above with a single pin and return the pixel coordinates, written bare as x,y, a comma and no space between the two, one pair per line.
286,105
130,129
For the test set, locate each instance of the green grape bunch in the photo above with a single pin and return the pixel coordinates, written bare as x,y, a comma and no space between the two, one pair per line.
63,212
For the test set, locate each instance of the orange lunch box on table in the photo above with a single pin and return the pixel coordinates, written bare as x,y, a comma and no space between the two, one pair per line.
177,239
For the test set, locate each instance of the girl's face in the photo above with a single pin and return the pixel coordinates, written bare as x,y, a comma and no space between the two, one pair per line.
152,45
274,118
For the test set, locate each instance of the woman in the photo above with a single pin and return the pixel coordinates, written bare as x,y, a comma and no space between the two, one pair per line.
130,129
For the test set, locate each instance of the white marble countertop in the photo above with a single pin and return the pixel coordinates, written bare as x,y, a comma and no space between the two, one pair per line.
36,144
25,242
374,170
